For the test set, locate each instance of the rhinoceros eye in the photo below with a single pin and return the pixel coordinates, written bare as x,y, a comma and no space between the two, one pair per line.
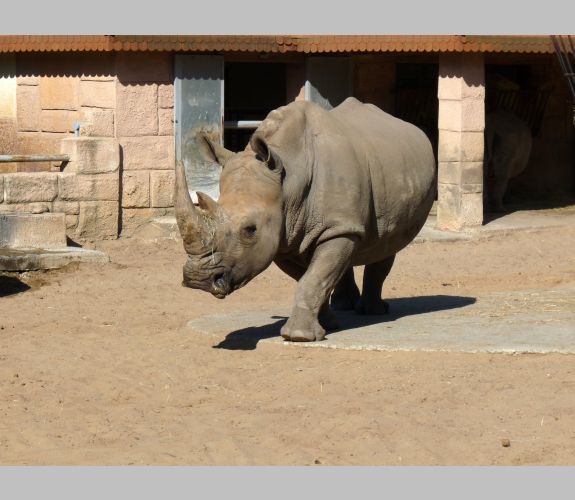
249,231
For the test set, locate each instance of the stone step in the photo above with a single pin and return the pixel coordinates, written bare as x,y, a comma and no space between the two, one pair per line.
22,230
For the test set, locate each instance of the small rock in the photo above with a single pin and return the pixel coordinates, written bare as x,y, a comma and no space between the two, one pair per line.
505,443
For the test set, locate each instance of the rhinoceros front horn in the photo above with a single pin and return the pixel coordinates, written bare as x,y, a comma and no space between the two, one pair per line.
192,222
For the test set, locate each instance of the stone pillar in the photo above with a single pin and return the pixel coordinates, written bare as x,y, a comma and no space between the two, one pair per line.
461,93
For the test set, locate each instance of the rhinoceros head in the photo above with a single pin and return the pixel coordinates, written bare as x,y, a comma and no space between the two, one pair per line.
230,241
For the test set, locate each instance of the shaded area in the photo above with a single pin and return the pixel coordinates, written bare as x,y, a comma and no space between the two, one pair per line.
248,338
11,286
518,203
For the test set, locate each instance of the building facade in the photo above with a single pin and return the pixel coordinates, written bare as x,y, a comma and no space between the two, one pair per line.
125,108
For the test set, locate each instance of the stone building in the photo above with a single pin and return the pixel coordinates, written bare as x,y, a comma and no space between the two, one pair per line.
123,109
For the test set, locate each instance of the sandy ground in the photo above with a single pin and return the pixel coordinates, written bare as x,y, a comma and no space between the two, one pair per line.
97,367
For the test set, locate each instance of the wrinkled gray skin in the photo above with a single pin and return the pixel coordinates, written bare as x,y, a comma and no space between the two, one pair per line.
316,192
507,149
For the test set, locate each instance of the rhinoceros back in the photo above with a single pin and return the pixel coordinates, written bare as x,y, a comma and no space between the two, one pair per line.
399,160
352,171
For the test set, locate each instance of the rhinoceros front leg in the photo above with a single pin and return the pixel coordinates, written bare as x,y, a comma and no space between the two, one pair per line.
373,277
329,262
326,317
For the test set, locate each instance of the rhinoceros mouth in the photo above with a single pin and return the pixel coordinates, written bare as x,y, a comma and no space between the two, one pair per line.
221,285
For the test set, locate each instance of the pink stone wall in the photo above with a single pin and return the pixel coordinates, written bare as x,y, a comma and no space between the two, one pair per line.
56,90
87,191
127,96
145,130
130,97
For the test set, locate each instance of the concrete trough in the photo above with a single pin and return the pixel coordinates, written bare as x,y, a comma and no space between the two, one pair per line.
32,242
21,230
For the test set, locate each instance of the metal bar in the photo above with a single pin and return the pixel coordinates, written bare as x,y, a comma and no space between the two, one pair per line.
559,52
566,51
563,56
242,124
571,44
32,158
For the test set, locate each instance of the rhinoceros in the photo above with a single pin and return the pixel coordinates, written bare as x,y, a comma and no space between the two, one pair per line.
507,149
317,192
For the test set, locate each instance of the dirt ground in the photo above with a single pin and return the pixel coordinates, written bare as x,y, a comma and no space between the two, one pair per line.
97,367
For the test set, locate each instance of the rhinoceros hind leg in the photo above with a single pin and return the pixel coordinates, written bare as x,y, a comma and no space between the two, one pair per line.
327,319
373,278
346,294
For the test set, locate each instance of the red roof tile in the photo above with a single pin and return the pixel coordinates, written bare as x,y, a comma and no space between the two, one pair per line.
278,43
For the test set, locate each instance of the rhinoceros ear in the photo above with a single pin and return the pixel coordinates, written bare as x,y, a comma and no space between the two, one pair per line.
264,153
211,150
207,203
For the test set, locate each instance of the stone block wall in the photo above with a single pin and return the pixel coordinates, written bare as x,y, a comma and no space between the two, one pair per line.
126,96
50,100
86,191
47,108
145,130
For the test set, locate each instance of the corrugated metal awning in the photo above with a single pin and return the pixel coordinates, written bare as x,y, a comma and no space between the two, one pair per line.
308,44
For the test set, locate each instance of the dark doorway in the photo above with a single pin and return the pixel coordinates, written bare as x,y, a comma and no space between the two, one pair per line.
416,97
534,91
514,88
251,91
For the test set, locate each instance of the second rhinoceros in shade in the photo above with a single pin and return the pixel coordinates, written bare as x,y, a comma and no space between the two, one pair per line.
507,149
317,192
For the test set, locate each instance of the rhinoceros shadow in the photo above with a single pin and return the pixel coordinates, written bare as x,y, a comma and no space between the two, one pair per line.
248,338
11,286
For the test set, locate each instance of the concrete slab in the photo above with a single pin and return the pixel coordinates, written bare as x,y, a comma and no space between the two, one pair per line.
33,259
32,230
497,224
510,322
532,219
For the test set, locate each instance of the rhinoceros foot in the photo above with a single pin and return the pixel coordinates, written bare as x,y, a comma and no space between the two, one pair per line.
302,326
372,308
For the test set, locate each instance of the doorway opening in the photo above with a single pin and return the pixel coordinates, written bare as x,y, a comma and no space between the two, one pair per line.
251,91
416,97
416,100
